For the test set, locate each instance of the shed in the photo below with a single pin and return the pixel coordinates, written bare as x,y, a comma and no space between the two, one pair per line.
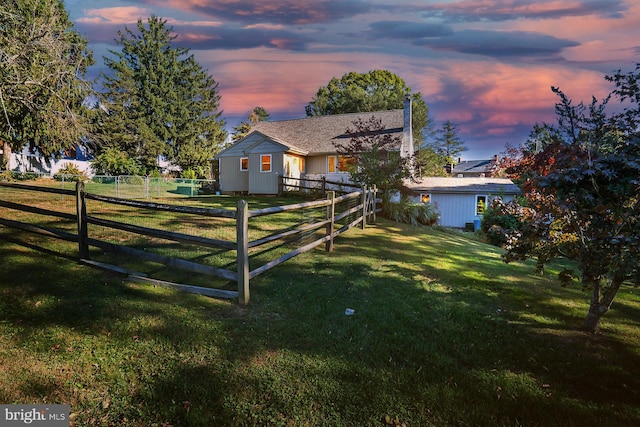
460,201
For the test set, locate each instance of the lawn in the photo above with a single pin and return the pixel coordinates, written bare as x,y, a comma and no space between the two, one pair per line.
443,333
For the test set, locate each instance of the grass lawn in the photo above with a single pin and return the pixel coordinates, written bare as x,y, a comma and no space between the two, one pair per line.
443,333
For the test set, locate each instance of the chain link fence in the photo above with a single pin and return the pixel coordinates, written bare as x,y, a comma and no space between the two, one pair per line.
142,187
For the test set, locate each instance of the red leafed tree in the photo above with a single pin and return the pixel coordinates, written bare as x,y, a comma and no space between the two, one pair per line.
581,182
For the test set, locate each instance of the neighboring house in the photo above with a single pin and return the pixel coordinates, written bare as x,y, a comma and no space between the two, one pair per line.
461,201
474,168
26,161
300,148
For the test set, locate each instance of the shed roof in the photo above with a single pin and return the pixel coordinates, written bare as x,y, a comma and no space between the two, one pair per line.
465,185
316,135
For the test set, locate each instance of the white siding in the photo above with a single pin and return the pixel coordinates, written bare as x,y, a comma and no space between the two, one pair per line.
232,179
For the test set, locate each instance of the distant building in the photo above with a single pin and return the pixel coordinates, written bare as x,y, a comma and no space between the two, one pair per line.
474,168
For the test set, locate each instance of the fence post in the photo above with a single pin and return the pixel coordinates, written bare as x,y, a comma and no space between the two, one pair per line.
242,244
331,214
364,206
324,184
281,185
374,205
81,213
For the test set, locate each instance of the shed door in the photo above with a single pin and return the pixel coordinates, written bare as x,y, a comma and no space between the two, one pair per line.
265,173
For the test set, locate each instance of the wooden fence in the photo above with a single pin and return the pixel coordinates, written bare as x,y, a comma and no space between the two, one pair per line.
321,185
356,208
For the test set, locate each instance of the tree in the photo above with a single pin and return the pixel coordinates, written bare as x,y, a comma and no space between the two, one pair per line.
42,64
582,193
159,101
258,114
377,90
448,144
373,156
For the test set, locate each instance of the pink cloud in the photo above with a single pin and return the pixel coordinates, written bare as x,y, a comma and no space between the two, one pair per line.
114,15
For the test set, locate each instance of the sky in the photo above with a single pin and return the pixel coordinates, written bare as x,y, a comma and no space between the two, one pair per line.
486,65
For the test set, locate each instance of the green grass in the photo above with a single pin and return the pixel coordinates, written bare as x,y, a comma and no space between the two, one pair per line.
443,333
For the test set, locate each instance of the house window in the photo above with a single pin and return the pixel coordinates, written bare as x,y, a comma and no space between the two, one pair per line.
244,164
265,163
339,163
425,198
301,164
331,164
481,204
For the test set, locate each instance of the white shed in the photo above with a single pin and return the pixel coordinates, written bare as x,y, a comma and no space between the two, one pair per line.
461,201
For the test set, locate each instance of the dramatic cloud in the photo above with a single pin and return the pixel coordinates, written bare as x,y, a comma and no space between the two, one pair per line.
487,65
500,44
298,12
407,30
500,10
239,38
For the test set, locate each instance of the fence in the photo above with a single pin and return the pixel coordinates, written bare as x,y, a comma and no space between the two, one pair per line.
316,223
321,185
141,187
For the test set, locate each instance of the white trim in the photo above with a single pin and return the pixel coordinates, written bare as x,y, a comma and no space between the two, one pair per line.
262,163
241,168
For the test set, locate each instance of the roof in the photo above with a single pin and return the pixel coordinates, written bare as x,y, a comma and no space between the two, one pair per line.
465,185
473,166
317,134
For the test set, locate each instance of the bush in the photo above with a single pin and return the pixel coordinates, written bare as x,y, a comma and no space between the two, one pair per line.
70,172
498,221
115,162
410,212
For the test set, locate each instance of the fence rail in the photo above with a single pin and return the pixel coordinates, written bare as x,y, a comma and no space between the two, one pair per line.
339,214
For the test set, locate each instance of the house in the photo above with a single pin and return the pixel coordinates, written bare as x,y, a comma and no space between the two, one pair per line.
461,201
301,148
474,168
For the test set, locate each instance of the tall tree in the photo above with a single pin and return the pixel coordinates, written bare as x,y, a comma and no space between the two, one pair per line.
377,90
43,61
580,179
447,142
258,114
159,101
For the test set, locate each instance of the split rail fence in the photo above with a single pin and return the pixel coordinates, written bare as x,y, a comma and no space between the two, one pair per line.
337,215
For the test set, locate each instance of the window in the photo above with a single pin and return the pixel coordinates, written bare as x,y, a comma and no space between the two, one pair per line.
331,164
339,163
481,204
425,198
345,163
265,163
301,164
244,164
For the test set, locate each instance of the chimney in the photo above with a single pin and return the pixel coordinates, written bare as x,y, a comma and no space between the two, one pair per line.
406,148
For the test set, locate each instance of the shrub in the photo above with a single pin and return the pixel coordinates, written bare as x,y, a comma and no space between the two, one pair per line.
498,221
115,162
410,212
70,172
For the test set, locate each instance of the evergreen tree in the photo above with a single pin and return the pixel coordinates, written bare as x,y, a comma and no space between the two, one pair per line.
448,144
42,64
258,114
159,101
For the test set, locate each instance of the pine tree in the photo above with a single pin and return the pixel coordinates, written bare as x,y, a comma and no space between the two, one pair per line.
159,101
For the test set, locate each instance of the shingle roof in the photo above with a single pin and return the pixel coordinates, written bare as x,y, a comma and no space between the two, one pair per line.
317,134
465,185
473,166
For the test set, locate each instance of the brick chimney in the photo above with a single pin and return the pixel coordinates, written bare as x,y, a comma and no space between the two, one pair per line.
406,148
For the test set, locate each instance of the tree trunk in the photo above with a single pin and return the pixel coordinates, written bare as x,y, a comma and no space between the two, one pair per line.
601,300
6,156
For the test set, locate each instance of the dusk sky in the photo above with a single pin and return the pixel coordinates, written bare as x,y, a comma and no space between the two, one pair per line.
487,65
